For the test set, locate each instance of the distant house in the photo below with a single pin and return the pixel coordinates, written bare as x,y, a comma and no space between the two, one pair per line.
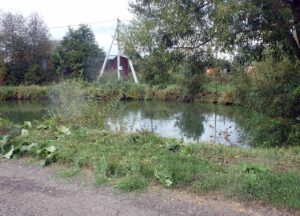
112,63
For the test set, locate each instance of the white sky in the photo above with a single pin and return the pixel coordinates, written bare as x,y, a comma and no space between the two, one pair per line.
58,13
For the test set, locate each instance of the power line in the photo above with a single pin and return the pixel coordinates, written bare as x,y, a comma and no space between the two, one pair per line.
92,23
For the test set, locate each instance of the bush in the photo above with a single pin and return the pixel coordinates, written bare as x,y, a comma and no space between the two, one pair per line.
192,77
264,131
274,92
78,109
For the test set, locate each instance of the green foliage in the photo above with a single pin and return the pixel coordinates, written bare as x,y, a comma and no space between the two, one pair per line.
16,146
240,23
279,189
253,168
280,131
294,134
272,99
159,67
25,57
233,24
23,92
78,55
211,182
192,76
78,109
181,24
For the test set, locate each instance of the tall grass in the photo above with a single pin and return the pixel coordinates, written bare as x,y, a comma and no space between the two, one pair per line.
77,108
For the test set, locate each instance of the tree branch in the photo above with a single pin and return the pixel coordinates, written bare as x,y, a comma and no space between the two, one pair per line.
294,45
288,1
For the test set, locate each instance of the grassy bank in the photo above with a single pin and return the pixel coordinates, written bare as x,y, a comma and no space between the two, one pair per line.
122,90
24,92
132,162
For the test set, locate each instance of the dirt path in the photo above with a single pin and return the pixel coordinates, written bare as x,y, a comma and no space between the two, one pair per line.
31,190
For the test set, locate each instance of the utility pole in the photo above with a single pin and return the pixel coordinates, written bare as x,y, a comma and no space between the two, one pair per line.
118,47
119,67
107,56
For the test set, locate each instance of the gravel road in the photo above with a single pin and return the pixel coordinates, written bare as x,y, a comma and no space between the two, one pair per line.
32,190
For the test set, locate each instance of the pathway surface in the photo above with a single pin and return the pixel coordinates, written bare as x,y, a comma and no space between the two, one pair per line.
32,190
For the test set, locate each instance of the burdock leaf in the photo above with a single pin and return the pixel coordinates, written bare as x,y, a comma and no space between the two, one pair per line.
26,148
9,154
27,124
4,140
51,149
51,158
65,130
24,133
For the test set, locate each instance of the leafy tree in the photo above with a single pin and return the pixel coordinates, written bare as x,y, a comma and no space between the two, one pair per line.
255,25
25,48
159,67
13,47
38,51
79,54
250,25
161,42
174,24
192,77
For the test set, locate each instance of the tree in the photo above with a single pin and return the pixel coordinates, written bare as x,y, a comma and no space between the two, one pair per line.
255,25
13,47
79,54
38,51
25,48
176,24
250,25
163,36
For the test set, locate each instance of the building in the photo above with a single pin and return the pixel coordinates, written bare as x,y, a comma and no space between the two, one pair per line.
112,63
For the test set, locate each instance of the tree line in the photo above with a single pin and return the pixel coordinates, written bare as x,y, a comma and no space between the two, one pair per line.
29,56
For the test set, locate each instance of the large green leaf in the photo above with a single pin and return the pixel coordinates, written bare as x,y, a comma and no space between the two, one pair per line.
9,154
64,130
27,148
27,124
51,158
51,149
4,139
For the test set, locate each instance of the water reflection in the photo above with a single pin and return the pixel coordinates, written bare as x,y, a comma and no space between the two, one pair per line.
188,122
20,111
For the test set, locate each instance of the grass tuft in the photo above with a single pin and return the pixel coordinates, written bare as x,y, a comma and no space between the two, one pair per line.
132,183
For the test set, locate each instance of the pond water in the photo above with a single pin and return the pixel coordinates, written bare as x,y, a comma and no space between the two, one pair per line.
187,122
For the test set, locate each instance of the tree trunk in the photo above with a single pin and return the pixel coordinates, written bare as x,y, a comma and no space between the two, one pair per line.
296,14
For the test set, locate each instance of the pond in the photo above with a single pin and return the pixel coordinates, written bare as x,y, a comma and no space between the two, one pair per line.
187,122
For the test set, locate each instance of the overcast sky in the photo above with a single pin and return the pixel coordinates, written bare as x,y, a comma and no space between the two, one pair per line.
57,13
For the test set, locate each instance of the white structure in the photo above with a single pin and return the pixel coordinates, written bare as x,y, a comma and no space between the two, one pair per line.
119,67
